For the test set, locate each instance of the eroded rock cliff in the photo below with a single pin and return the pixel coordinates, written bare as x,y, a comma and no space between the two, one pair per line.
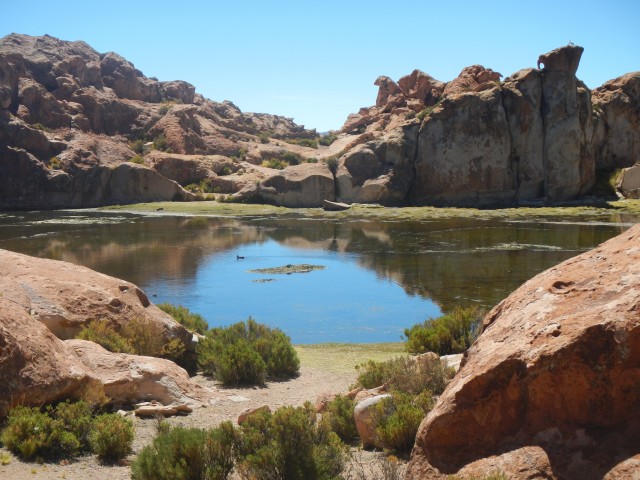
70,117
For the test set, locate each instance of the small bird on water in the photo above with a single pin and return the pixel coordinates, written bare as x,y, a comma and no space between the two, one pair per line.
238,257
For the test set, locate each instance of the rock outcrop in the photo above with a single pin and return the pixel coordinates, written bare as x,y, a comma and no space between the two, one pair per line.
44,302
549,389
70,117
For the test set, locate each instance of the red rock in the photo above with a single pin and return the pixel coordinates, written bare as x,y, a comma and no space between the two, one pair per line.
249,412
555,370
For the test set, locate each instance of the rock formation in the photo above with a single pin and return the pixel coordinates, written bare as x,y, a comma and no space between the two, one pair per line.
70,117
44,302
549,390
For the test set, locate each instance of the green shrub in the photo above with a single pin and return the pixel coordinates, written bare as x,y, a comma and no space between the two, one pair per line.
111,437
404,374
188,453
303,142
138,146
65,431
332,165
264,137
448,334
176,455
339,418
247,353
328,139
104,334
55,163
138,337
32,434
77,418
160,143
397,419
136,159
289,444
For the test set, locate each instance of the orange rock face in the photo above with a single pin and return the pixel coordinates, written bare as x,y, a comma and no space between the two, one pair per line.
552,382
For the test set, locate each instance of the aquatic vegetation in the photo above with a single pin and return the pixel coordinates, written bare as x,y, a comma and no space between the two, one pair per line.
289,269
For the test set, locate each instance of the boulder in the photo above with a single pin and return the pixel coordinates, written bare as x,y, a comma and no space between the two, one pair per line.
628,182
249,412
550,384
131,379
305,185
35,367
65,297
475,78
364,423
617,104
130,181
322,400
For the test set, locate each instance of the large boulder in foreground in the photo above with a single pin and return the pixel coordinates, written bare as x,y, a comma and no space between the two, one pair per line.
550,389
35,367
65,297
130,379
44,301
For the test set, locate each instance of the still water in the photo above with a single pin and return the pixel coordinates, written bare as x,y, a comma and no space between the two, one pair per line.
380,277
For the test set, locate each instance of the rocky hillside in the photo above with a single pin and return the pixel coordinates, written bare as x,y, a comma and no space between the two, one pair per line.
81,128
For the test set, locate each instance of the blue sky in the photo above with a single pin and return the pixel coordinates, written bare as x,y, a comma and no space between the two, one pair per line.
317,61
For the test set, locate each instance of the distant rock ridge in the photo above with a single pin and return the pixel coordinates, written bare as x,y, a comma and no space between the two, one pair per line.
70,116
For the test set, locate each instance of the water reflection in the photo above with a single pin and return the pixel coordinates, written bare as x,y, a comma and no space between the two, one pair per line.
445,261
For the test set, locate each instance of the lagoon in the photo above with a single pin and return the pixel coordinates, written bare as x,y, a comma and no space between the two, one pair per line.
380,277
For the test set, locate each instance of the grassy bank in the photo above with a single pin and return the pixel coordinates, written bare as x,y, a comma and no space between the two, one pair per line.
343,357
215,209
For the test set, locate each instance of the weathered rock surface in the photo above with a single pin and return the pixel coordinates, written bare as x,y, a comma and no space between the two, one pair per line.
42,297
35,367
549,388
365,425
628,182
304,185
130,379
65,100
66,297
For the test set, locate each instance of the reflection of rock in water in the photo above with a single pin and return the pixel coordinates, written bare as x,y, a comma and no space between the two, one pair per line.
264,280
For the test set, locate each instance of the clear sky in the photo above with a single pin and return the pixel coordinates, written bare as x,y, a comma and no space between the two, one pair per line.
317,61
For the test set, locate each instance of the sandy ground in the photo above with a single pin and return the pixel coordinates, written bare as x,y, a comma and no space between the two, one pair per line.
319,373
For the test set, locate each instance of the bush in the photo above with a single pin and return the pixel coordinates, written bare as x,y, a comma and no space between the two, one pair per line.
405,374
303,142
247,353
77,418
264,137
55,163
328,139
64,431
450,333
111,437
138,146
104,334
332,165
339,418
397,418
188,453
160,143
289,445
136,159
138,337
32,434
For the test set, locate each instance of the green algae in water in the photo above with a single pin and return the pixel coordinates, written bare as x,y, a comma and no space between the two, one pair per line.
289,269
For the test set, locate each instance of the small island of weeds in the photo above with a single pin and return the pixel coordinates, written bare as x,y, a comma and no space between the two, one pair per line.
289,269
